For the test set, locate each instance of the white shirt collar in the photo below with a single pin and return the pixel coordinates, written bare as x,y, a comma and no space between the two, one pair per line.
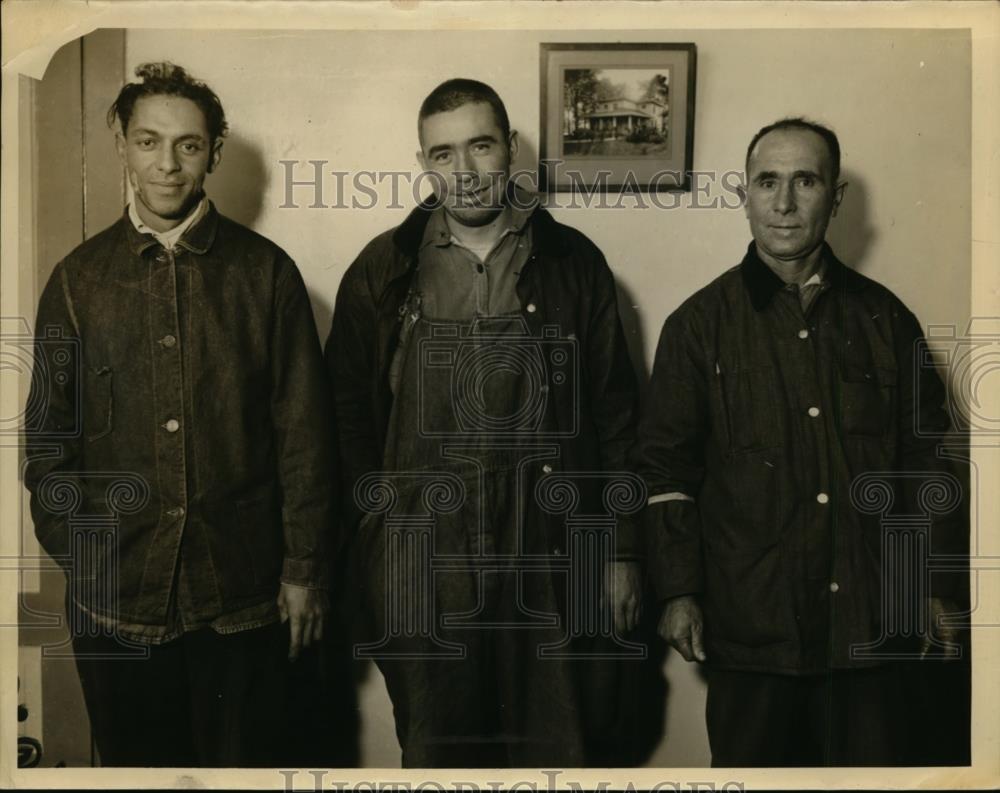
169,238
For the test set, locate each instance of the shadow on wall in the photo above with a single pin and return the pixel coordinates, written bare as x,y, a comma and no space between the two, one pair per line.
238,186
237,189
526,164
851,233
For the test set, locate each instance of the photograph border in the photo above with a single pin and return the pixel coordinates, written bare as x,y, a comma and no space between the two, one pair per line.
29,46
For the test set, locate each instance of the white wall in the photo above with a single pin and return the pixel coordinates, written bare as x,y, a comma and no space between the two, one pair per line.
899,100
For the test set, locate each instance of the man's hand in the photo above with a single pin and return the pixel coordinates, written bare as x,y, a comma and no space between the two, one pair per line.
682,626
949,634
624,587
306,609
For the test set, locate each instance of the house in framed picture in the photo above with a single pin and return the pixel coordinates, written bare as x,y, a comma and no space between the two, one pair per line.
617,115
616,112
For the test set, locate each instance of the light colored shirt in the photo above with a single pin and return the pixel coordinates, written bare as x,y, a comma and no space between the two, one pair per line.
458,281
169,238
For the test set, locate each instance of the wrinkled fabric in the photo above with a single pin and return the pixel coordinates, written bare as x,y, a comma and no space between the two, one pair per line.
500,559
565,286
765,417
501,697
192,424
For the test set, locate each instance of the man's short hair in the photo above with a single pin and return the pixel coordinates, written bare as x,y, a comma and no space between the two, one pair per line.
827,134
167,79
452,94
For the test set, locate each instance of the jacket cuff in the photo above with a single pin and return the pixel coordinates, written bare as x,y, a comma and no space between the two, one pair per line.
671,530
627,547
304,573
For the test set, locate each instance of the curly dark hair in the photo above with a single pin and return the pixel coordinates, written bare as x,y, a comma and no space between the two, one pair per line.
159,79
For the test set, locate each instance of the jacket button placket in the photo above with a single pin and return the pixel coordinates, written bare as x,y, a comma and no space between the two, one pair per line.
806,351
168,382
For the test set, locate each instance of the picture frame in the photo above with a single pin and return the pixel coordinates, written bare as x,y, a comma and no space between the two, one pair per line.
617,117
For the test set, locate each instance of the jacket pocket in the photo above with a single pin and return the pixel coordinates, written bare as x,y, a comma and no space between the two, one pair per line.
98,400
260,529
748,597
751,402
867,394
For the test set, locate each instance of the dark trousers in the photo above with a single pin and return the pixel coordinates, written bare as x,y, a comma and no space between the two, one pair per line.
203,700
843,718
496,706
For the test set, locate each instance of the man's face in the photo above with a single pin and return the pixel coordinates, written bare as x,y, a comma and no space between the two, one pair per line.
467,149
790,196
166,152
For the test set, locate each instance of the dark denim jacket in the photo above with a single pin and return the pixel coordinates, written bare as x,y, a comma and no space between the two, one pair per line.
770,420
190,402
565,284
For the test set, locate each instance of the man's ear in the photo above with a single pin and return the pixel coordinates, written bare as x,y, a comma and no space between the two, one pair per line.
838,196
216,157
741,191
120,148
512,145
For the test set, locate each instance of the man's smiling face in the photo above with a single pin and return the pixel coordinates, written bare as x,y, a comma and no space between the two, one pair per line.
791,194
468,151
167,153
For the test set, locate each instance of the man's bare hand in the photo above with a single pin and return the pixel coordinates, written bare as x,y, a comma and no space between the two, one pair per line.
305,609
682,627
624,583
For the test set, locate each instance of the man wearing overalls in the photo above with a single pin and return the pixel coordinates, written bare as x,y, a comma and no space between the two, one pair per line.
484,393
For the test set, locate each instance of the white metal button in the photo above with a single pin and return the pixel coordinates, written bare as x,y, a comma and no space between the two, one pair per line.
822,498
532,308
175,512
546,469
168,340
803,334
834,586
172,425
814,412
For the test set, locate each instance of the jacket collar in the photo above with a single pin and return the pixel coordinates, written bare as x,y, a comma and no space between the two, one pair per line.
547,235
761,282
197,239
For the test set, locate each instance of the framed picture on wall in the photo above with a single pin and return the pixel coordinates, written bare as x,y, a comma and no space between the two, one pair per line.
616,117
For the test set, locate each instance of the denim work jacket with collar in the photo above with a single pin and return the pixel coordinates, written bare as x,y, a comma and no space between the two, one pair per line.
772,428
567,297
186,414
